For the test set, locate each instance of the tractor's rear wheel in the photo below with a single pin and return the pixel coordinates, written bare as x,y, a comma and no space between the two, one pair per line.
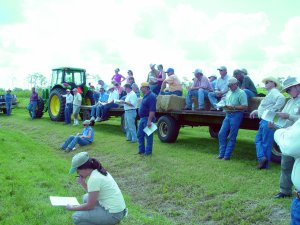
56,104
39,108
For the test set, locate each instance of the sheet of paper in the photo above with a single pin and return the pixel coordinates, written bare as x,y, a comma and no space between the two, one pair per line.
273,117
150,130
63,201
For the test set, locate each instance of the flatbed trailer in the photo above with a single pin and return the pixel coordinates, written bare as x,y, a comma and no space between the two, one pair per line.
170,122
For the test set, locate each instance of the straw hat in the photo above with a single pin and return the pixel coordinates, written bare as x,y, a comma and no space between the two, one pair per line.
289,82
273,79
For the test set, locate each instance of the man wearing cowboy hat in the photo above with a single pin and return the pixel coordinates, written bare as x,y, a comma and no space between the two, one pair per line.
291,114
273,101
288,141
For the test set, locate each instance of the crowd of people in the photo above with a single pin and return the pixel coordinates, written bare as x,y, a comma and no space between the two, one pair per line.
230,94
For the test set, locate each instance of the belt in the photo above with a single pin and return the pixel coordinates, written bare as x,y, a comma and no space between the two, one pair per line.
130,109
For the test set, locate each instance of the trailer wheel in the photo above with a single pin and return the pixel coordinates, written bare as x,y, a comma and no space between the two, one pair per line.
214,130
276,153
168,129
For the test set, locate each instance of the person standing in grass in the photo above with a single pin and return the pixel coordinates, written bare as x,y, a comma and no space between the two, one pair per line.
33,103
130,104
235,105
273,101
8,102
291,113
86,137
104,203
68,106
289,143
76,105
147,117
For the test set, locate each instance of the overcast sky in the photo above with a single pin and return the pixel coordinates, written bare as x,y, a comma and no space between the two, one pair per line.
38,35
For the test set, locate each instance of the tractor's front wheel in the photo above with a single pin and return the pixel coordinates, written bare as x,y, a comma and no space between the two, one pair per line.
56,104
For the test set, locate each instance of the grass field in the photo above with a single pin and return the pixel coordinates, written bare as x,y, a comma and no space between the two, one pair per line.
182,183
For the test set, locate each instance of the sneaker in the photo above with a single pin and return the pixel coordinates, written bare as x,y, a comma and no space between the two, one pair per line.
98,119
73,149
93,118
282,195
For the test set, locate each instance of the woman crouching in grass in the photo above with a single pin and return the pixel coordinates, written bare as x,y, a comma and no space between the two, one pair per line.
104,202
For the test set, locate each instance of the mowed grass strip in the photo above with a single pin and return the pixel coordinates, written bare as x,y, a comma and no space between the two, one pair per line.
182,183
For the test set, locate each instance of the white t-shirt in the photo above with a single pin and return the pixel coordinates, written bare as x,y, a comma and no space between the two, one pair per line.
77,99
110,195
132,99
113,96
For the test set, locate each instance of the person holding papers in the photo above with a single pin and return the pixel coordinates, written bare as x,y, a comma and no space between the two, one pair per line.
112,97
273,101
235,103
290,113
97,108
147,117
104,202
289,143
130,104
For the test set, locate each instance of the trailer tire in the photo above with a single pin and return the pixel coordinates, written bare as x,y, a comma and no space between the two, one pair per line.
276,153
168,129
214,130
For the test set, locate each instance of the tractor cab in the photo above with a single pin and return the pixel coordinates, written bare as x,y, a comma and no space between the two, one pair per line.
68,77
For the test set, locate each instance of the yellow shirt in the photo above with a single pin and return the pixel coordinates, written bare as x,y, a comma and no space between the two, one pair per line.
174,83
110,195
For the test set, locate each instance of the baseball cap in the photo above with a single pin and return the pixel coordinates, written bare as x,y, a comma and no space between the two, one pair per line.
198,71
170,70
144,84
78,160
222,68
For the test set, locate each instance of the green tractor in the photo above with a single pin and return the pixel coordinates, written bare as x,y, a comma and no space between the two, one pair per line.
63,78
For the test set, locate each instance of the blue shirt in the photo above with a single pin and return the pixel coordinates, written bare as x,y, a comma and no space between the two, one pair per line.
85,132
8,97
148,105
103,97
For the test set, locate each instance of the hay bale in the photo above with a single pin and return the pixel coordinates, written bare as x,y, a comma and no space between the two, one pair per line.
207,104
169,103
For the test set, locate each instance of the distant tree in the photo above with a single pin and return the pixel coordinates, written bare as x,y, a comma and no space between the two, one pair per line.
36,80
92,77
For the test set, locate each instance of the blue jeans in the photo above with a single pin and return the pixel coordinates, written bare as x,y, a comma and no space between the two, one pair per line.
230,127
201,95
249,93
68,112
178,93
188,97
141,138
73,140
287,163
106,108
295,212
264,141
213,99
31,108
99,111
130,128
155,88
8,107
93,110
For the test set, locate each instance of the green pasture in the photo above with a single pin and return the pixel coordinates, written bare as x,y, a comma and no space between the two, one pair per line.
182,183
